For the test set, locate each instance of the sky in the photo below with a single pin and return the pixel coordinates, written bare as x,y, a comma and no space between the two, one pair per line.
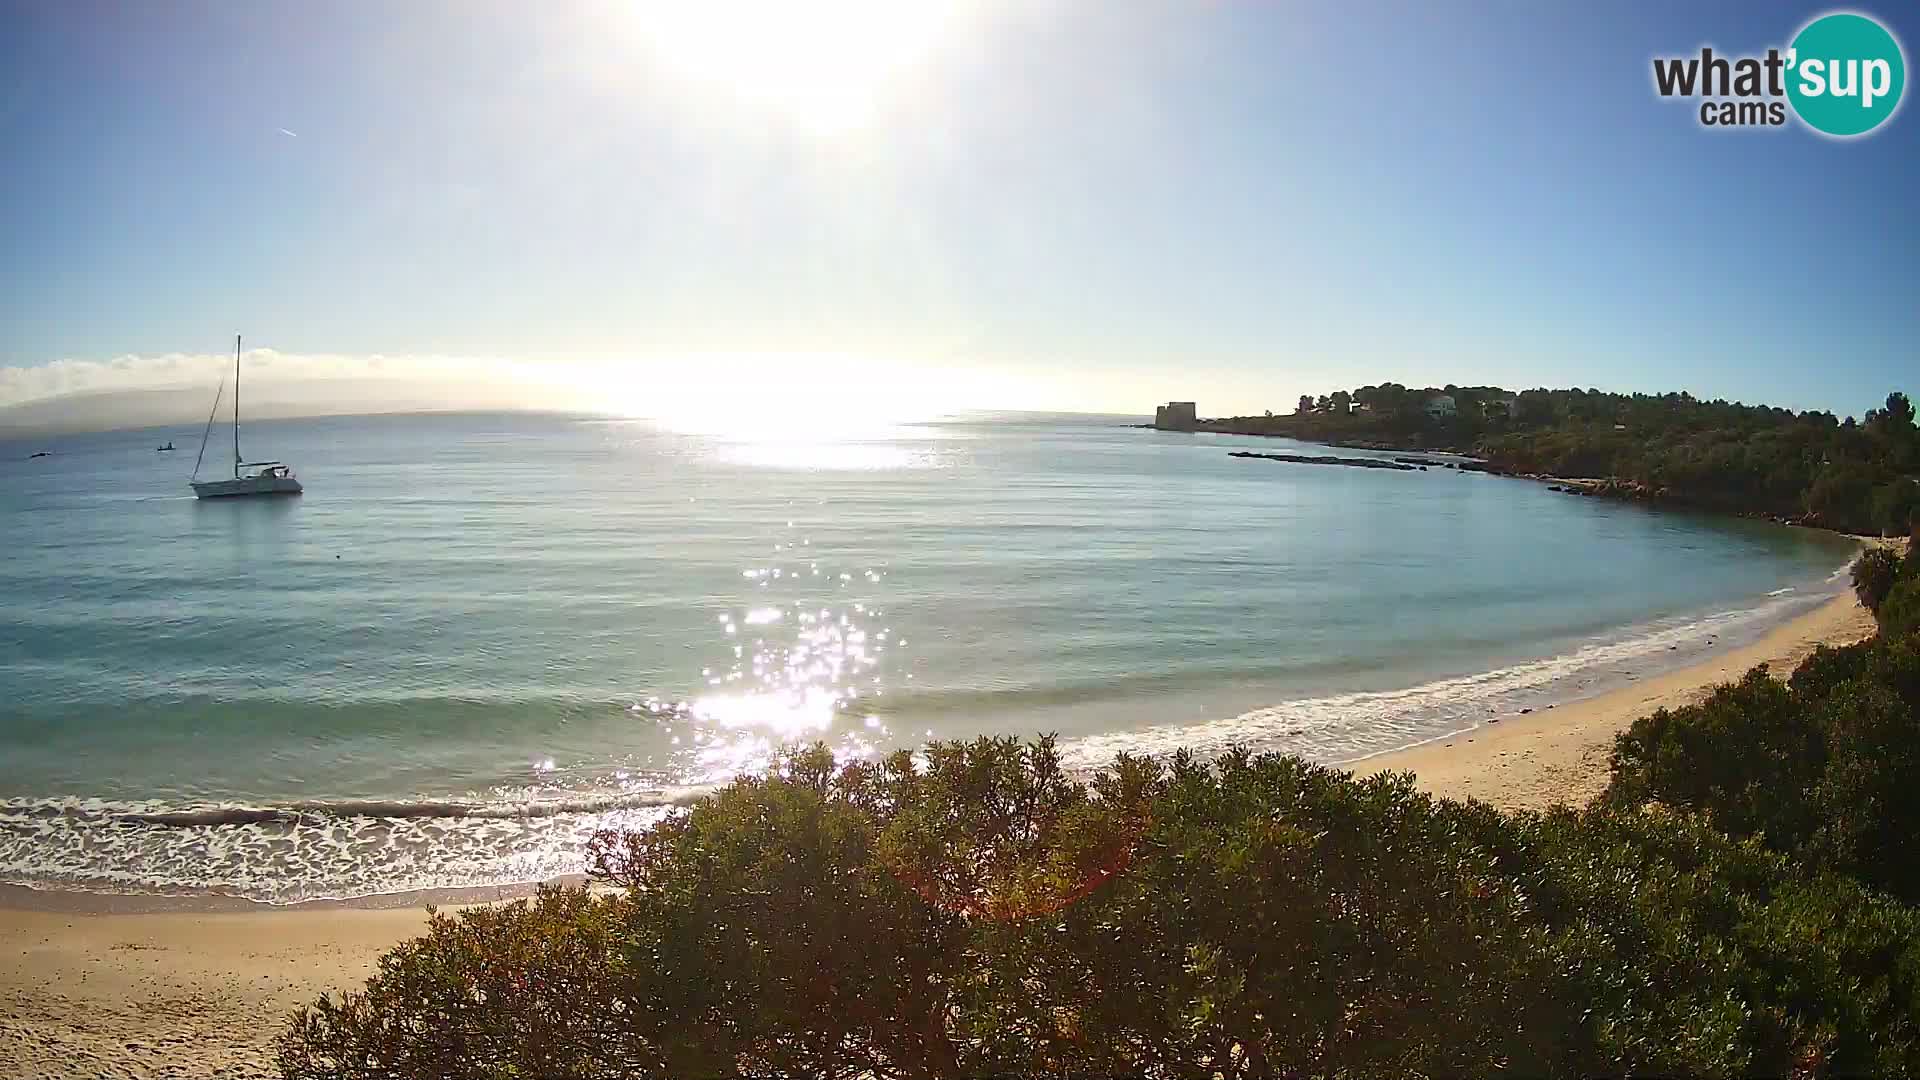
863,205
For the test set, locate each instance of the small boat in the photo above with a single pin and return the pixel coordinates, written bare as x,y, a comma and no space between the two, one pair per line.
163,449
249,477
42,453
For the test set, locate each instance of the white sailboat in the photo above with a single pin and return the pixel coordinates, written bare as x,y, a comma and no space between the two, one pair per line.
265,477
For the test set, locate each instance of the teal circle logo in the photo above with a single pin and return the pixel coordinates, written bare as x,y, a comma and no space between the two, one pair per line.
1845,73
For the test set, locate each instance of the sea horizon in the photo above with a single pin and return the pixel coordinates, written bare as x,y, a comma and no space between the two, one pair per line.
28,433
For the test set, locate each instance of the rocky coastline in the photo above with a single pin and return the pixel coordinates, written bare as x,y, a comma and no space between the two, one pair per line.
1610,487
1409,455
1329,459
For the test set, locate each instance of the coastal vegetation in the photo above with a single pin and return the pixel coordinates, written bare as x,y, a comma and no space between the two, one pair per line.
1825,767
1812,467
1741,901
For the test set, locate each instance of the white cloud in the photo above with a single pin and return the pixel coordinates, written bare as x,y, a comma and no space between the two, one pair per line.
773,391
766,391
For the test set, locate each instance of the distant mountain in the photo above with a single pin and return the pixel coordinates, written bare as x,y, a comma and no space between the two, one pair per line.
109,410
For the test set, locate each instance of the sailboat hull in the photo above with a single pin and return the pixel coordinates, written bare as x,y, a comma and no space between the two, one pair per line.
246,485
267,477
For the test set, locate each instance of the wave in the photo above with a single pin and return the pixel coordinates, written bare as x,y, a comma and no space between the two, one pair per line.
224,814
1344,728
297,852
287,852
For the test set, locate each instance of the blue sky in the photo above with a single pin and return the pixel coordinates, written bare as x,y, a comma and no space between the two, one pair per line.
1086,204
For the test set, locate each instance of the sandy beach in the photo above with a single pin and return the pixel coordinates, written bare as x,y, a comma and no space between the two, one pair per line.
95,991
1558,755
173,994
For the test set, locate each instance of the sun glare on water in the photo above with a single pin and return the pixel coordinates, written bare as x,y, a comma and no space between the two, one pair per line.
783,410
806,664
826,65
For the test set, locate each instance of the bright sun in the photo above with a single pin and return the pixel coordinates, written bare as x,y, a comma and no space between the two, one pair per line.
826,65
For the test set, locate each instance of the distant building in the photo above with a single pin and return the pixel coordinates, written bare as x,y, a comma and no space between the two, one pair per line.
1499,407
1439,405
1176,416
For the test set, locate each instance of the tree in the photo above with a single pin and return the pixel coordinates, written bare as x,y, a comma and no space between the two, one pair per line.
1807,467
1895,506
1533,408
1899,412
1840,496
1873,576
1305,406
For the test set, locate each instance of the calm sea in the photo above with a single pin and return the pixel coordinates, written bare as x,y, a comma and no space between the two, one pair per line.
478,637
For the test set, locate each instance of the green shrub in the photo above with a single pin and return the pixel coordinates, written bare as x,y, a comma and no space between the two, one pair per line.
520,989
1705,956
1828,667
1738,757
980,911
1869,795
1899,613
1825,768
1874,573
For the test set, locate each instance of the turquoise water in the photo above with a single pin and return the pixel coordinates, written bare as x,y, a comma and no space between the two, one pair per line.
477,637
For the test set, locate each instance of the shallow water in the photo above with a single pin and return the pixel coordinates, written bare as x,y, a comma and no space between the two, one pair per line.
476,638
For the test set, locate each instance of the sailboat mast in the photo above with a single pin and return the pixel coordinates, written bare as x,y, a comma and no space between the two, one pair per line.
206,433
236,406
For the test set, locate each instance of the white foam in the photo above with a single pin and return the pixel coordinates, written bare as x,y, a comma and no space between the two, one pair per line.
1343,728
307,851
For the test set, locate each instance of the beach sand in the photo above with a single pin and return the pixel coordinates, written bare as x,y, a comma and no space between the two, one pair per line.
96,992
1558,755
173,994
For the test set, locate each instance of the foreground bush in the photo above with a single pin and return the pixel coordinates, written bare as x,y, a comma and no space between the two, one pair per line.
1825,768
1899,613
981,912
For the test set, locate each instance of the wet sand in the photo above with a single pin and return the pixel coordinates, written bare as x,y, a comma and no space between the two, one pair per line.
1559,755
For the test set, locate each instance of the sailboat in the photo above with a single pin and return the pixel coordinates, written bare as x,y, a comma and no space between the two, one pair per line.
265,477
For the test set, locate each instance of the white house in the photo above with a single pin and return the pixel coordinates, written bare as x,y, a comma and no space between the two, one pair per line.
1439,405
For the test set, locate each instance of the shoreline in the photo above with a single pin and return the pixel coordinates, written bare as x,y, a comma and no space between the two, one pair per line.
1558,755
149,985
1594,683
